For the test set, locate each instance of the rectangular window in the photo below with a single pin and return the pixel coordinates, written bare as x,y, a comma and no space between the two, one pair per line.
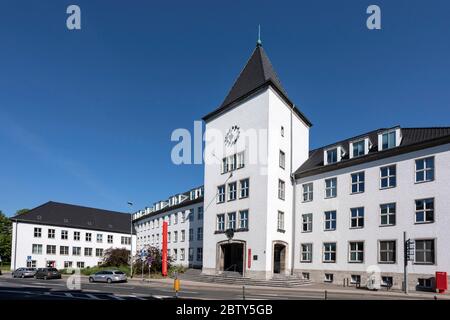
64,250
424,210
332,156
280,224
232,163
221,222
99,238
388,251
175,254
232,220
388,177
175,218
191,254
183,235
329,252
387,281
221,194
191,215
306,252
64,234
307,221
358,182
240,160
388,140
329,277
330,220
80,265
425,169
37,232
355,279
126,241
424,252
359,148
51,233
51,249
68,264
199,254
169,236
110,238
243,219
425,283
356,252
200,234
98,252
281,188
331,188
388,214
175,237
31,264
88,252
244,188
191,234
182,254
225,165
357,217
88,237
232,191
76,251
76,235
308,192
282,160
200,213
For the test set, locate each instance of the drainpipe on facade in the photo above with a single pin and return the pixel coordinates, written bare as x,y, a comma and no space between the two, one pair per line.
293,197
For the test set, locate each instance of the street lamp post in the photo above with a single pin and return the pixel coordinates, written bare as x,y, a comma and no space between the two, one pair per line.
131,239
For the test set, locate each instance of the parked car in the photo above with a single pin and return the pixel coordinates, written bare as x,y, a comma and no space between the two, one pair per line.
108,276
24,273
47,273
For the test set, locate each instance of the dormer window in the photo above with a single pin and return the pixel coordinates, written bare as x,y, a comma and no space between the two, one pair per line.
332,155
360,147
389,139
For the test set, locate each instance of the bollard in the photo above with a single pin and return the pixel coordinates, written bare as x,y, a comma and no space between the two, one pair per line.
176,286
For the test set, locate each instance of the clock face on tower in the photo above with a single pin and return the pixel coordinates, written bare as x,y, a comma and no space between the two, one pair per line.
232,136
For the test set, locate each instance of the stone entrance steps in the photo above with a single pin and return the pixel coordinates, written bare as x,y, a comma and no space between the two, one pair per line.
235,278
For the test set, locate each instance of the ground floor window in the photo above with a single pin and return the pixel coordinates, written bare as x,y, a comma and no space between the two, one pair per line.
306,252
329,252
68,264
355,279
80,265
425,283
305,275
356,252
329,277
191,254
31,264
387,281
199,254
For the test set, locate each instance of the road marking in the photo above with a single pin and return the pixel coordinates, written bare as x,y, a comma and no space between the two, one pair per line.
67,294
116,297
161,297
92,296
135,296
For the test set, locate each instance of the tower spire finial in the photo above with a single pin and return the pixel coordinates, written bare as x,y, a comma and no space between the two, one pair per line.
259,42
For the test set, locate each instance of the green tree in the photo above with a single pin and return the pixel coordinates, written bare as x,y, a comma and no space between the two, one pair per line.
5,237
21,211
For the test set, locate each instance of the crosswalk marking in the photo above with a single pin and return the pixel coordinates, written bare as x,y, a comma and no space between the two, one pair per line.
116,297
92,296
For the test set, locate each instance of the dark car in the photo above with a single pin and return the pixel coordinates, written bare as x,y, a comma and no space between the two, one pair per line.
24,272
47,273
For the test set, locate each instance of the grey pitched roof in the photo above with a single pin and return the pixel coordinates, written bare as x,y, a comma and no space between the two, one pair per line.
257,74
73,216
412,139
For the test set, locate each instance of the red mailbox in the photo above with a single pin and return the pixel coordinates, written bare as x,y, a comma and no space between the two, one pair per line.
441,281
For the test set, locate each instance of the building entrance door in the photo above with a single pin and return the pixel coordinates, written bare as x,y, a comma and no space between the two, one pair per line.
279,258
232,257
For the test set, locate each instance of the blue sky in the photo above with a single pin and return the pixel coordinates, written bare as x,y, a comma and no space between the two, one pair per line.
86,116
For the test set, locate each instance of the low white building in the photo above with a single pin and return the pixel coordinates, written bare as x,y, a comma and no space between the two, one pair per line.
68,236
184,215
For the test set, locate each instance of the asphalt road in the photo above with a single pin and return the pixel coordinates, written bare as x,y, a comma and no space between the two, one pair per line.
31,288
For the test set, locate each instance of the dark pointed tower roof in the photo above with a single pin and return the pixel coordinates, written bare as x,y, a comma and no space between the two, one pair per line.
257,74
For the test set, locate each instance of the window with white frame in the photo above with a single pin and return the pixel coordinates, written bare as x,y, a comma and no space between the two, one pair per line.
51,233
88,237
330,220
355,279
282,131
330,188
240,160
329,277
388,251
64,250
425,283
76,251
232,191
200,233
388,140
31,263
110,238
359,148
51,249
244,188
388,177
307,222
282,160
125,241
221,222
357,217
424,251
388,214
280,223
308,192
99,237
80,264
329,252
306,252
64,234
88,252
68,264
281,189
175,218
169,236
358,181
175,236
425,169
221,194
356,251
175,254
76,235
243,219
182,255
232,220
37,232
191,234
183,235
424,210
36,249
332,155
